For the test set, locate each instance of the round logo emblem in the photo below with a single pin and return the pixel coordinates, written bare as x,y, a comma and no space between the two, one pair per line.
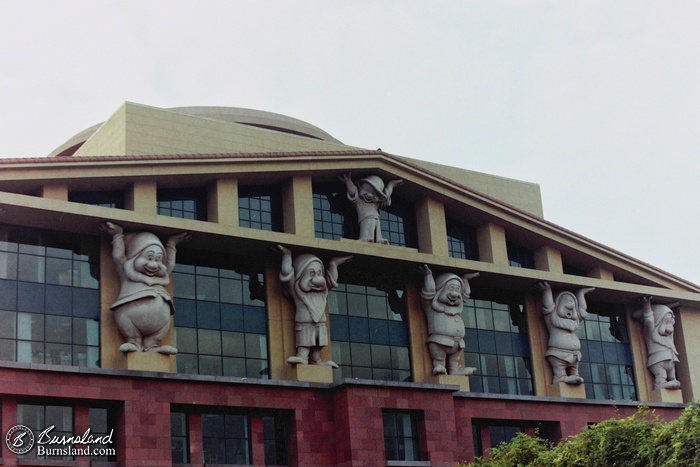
19,439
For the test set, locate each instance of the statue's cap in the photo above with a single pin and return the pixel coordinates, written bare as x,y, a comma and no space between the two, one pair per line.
443,279
302,261
376,182
137,242
659,312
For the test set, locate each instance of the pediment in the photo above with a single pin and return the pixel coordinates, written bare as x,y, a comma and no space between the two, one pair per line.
461,201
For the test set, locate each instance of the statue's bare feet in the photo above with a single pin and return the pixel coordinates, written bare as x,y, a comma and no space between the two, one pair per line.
327,363
463,371
129,347
165,349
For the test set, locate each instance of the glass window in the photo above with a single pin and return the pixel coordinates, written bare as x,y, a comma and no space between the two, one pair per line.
185,203
573,270
51,298
369,333
260,207
462,240
399,224
401,439
333,214
489,434
606,364
335,217
520,257
102,422
179,438
497,345
221,318
39,417
225,439
503,434
108,199
276,436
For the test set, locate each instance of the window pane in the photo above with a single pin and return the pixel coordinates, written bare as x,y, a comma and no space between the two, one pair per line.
31,268
8,328
501,356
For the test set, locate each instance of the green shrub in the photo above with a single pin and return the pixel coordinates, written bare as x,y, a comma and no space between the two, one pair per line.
638,440
522,450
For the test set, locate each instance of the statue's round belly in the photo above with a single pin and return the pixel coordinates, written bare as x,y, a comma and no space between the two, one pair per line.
446,325
564,340
148,315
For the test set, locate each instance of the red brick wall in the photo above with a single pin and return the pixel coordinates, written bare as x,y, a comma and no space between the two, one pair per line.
330,425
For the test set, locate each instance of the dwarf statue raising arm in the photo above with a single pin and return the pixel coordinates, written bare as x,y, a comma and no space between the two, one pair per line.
562,318
307,284
442,302
143,308
662,356
369,196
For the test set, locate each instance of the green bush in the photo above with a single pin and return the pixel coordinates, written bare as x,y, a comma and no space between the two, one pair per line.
638,440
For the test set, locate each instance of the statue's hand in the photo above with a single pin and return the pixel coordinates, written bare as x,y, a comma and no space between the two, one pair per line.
544,285
425,270
340,260
181,237
585,290
283,250
395,183
111,228
345,178
469,276
645,300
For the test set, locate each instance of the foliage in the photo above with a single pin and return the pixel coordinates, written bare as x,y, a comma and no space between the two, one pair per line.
522,450
638,440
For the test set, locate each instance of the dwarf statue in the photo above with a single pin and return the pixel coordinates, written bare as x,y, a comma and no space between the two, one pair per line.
369,196
442,301
143,308
562,318
658,321
308,284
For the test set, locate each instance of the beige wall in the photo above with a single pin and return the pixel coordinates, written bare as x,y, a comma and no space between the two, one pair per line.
686,334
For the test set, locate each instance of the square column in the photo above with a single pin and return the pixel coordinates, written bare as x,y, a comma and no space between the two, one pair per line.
143,198
298,206
492,244
58,191
600,273
222,201
432,227
548,259
688,346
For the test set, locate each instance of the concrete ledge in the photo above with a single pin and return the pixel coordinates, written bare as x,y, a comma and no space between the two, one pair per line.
313,373
149,361
666,395
569,391
453,380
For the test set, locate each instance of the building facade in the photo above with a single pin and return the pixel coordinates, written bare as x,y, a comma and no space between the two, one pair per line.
242,182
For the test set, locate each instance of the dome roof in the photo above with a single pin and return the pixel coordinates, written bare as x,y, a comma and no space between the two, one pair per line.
257,118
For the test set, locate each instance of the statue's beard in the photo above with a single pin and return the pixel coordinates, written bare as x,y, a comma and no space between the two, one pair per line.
134,276
568,324
665,340
314,301
442,307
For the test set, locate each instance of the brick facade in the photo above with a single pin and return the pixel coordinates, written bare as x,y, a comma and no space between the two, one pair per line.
332,424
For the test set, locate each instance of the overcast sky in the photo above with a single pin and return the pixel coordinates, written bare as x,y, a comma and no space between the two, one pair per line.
597,102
